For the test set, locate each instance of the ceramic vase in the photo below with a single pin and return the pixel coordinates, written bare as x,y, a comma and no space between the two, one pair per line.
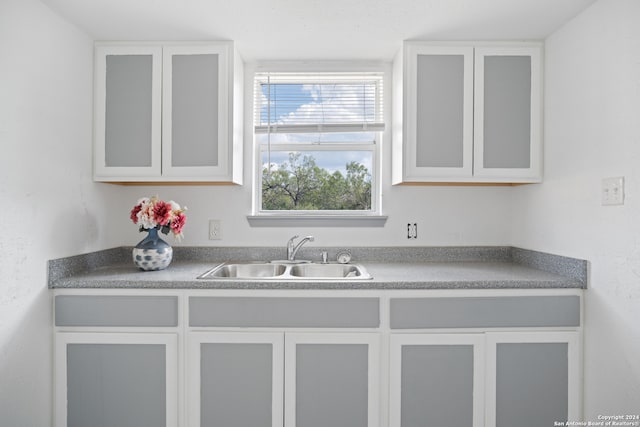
152,253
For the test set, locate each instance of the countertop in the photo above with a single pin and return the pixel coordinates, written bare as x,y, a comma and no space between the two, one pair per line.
391,268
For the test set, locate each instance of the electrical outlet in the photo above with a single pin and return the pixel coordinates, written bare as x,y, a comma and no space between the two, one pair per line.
215,229
613,191
412,230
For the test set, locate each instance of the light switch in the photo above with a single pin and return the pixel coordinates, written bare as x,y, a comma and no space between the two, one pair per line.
613,191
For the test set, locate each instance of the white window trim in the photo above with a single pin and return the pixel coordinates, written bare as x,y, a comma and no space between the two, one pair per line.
370,218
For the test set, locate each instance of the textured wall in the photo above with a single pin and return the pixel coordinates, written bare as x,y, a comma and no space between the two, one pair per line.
50,206
592,131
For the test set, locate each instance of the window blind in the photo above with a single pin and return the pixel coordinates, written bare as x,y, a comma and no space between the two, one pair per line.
318,102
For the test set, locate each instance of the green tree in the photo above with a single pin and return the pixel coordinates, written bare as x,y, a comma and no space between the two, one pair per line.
358,183
300,184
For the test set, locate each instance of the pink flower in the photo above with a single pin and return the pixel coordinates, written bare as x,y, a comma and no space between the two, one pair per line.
162,212
177,223
134,213
152,212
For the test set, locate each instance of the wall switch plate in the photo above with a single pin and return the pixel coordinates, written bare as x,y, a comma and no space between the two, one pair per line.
613,191
215,229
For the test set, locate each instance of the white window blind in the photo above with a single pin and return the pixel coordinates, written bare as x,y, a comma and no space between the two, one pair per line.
318,102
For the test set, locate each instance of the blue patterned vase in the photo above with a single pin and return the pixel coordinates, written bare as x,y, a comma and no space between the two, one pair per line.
152,253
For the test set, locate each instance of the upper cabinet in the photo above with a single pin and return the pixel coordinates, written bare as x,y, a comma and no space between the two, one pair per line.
168,113
467,113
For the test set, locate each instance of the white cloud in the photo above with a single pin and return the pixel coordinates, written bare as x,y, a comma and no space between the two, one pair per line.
333,103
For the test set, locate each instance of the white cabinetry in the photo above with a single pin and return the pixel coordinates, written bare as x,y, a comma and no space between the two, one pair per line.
116,361
532,378
168,113
116,379
237,379
314,358
499,379
494,361
331,379
467,113
292,360
437,379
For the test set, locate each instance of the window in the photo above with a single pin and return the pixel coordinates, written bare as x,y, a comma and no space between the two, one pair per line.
317,139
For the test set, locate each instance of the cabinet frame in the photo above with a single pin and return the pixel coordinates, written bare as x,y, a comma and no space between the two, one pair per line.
63,339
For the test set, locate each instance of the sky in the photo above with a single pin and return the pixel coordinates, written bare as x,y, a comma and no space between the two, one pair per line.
317,103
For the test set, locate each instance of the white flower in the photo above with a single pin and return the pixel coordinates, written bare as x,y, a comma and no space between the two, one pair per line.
174,205
145,216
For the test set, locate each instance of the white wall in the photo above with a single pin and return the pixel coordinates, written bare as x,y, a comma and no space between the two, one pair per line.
50,207
445,216
592,131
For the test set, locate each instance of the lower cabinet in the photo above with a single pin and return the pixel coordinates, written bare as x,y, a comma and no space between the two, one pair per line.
235,379
493,379
437,380
533,379
275,379
214,358
116,380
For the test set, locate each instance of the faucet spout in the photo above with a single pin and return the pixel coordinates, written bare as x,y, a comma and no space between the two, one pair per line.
292,248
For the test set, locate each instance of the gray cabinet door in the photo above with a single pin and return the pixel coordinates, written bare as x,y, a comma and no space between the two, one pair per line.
127,111
116,380
436,380
332,380
235,379
196,111
532,378
508,130
439,111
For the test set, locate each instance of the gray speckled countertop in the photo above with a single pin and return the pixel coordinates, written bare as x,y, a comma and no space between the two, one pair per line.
391,268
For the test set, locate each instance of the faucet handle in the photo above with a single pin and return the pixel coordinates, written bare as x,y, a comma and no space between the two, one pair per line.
293,238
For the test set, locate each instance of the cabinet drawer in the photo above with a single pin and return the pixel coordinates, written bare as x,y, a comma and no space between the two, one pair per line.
284,312
485,312
89,310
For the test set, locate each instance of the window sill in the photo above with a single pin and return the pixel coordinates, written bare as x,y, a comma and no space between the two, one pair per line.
317,220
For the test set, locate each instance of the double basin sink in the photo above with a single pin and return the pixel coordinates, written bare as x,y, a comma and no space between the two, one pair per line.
284,270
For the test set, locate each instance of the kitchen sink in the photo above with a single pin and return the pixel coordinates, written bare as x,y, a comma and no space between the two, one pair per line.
246,271
328,271
285,271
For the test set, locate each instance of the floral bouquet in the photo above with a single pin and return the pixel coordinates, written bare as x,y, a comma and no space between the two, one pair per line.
155,213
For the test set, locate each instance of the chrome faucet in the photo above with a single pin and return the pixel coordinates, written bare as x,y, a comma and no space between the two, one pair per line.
292,249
